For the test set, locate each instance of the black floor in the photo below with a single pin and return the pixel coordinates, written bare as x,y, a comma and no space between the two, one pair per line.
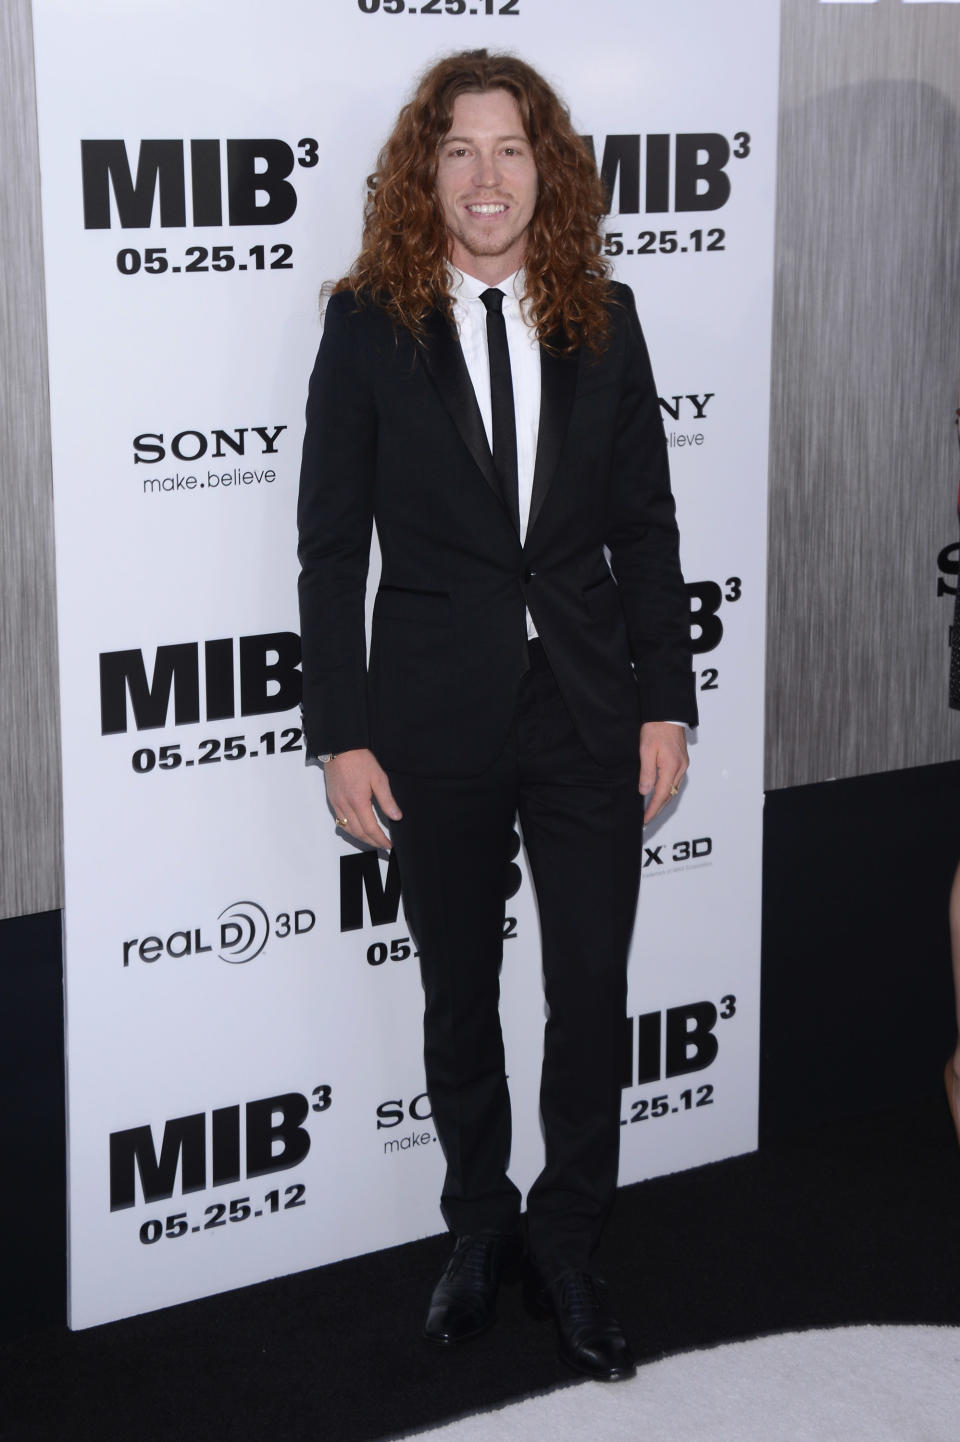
836,1220
858,1222
857,992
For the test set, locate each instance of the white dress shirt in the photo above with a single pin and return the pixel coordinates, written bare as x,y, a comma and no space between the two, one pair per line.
470,314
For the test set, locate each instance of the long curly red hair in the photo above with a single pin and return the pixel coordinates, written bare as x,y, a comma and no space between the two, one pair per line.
402,261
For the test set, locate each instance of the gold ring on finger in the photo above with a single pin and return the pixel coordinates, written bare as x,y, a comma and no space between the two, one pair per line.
340,820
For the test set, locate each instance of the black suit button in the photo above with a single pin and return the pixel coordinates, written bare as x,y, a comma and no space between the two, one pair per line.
528,576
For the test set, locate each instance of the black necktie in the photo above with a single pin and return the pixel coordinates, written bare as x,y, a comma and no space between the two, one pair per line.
501,399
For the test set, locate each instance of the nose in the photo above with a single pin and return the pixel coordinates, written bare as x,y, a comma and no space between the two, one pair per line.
486,169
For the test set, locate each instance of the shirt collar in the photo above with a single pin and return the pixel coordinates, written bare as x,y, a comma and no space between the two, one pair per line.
466,287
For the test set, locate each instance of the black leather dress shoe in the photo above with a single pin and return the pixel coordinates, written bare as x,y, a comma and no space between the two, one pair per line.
464,1301
591,1338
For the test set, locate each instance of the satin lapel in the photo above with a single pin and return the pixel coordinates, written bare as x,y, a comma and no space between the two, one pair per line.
447,369
558,381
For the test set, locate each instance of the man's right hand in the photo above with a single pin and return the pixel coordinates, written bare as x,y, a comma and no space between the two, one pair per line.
354,781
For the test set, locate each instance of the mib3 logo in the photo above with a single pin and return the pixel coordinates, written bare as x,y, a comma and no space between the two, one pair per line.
685,172
364,879
254,173
241,932
674,1042
194,1147
254,675
706,598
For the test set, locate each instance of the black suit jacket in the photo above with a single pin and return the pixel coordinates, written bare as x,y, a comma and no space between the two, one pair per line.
394,437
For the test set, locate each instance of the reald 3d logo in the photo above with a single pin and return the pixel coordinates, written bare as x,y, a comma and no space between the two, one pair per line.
239,935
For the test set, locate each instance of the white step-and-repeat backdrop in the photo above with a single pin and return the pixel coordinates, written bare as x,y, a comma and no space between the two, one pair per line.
245,1082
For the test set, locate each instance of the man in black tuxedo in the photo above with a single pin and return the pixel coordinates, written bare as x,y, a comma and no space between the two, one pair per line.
483,394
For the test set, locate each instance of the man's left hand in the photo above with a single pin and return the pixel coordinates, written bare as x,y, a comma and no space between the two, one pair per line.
663,762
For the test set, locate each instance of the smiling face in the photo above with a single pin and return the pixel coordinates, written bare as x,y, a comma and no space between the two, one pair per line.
487,185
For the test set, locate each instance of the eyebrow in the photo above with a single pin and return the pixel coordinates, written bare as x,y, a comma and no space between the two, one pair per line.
468,139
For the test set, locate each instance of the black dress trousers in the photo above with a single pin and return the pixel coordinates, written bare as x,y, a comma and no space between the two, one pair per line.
582,827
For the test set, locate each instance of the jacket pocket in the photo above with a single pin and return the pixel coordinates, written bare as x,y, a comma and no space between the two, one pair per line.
592,586
427,608
601,602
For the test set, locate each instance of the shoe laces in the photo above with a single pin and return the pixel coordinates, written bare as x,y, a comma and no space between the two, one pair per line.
471,1259
580,1294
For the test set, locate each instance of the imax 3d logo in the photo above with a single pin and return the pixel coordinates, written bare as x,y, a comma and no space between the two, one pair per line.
241,932
267,667
688,169
362,878
257,187
680,1040
678,853
274,1138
